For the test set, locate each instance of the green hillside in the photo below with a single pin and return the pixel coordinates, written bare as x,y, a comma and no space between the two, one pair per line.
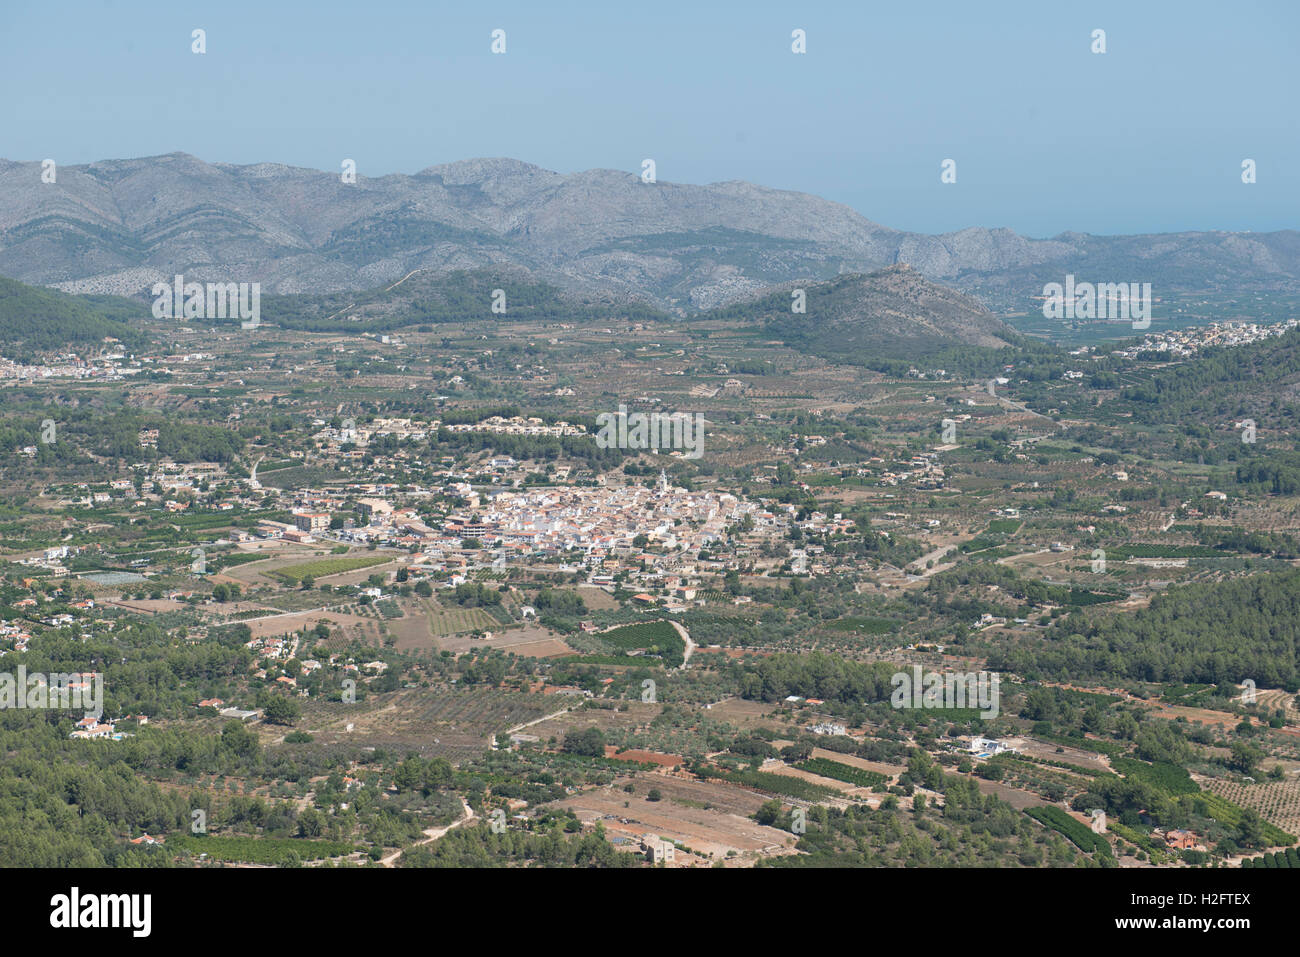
33,319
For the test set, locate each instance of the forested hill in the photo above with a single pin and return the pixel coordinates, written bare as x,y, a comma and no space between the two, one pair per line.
1260,380
895,313
40,320
1217,633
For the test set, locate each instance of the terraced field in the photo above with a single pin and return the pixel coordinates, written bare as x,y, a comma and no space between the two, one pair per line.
1278,803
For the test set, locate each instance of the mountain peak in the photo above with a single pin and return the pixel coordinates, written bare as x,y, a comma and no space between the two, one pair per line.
114,225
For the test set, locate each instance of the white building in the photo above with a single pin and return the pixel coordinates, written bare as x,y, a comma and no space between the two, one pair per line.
660,852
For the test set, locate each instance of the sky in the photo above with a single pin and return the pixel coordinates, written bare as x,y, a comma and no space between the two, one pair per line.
1046,135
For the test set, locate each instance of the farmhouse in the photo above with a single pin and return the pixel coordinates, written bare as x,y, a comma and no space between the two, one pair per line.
827,727
658,851
989,746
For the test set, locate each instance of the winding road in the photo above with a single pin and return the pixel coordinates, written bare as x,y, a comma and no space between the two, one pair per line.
690,645
430,835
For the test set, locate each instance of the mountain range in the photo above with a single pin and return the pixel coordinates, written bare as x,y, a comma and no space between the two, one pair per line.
118,226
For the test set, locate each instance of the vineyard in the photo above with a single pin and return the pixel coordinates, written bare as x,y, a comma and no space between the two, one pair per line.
1193,696
653,638
775,784
457,621
1060,765
323,567
1120,552
1112,749
216,563
1169,778
1286,859
1040,777
827,768
1077,832
1278,805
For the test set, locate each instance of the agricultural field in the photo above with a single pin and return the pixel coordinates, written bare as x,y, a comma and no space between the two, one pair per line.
613,723
325,567
454,724
712,819
652,639
773,784
826,768
1169,778
445,621
1278,803
1288,859
1074,829
830,540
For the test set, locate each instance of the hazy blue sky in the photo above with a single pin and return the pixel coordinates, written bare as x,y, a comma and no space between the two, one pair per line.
1047,136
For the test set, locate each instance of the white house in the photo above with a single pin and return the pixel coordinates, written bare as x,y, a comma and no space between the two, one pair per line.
989,746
